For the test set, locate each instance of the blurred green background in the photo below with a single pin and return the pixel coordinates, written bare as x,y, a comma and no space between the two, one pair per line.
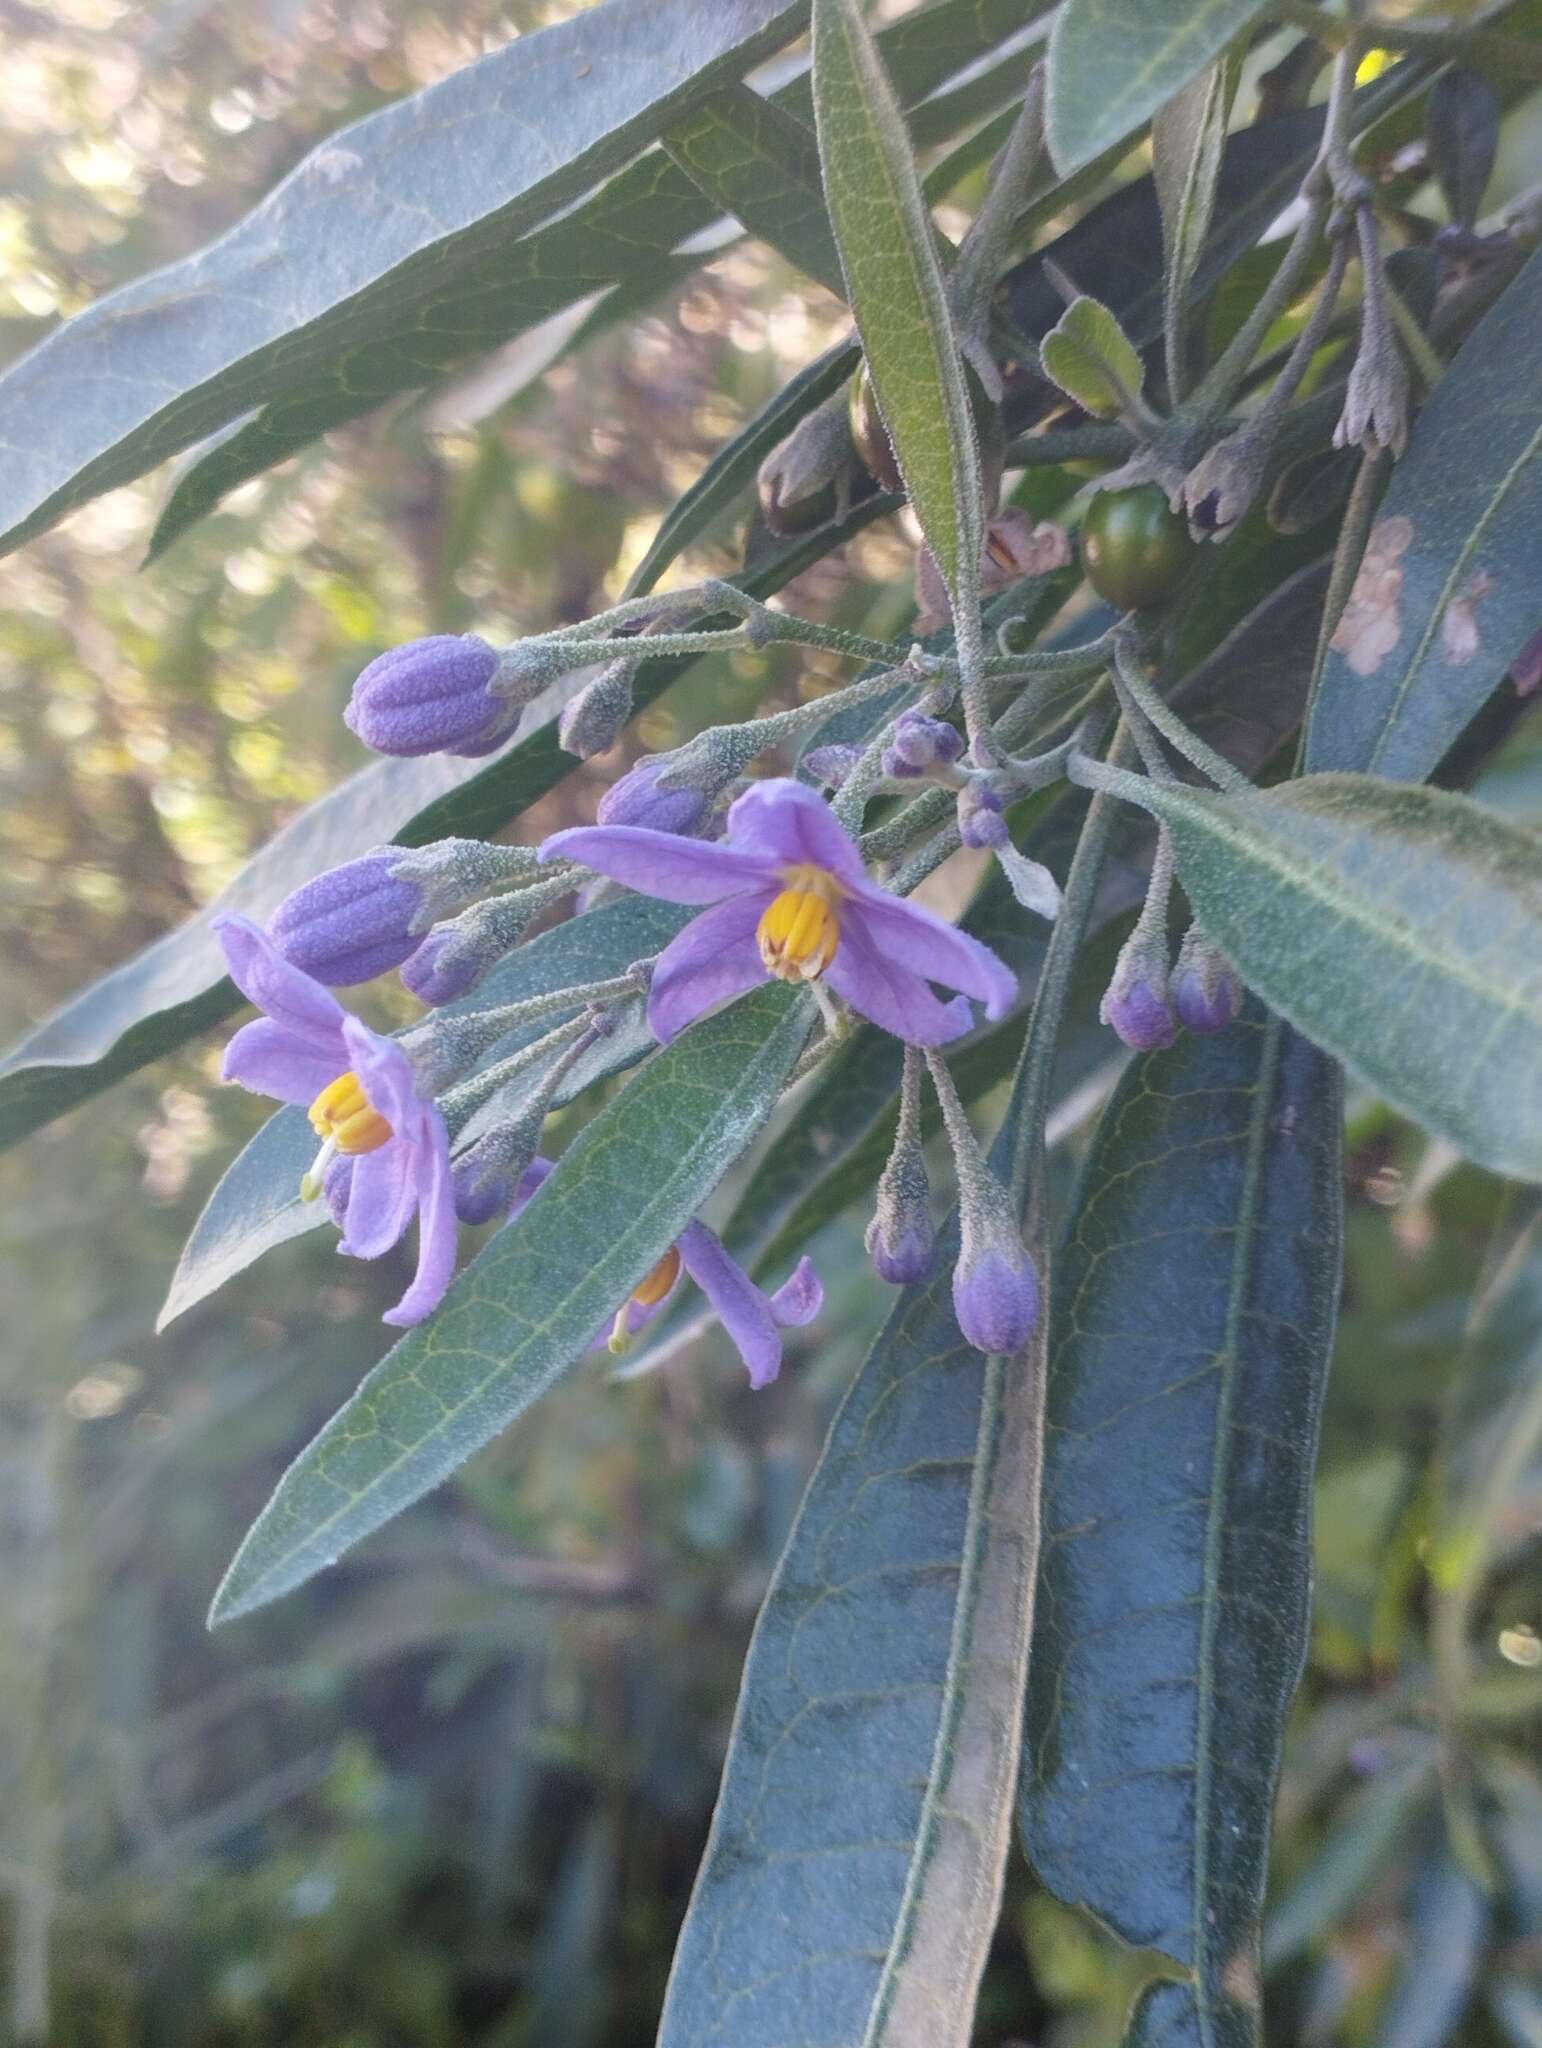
456,1790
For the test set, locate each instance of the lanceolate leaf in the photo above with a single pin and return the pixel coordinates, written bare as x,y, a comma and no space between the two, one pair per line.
532,1300
850,1884
625,235
761,166
1193,1319
257,1204
1112,63
177,988
895,289
390,217
1187,137
1400,928
1447,595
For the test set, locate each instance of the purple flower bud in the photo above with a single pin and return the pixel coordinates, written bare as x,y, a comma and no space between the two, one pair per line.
920,743
980,823
351,923
902,1248
995,1289
1136,1004
478,1197
1140,1013
457,953
1205,989
431,696
637,800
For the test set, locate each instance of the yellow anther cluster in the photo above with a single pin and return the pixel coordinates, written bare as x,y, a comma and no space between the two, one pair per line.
799,929
342,1116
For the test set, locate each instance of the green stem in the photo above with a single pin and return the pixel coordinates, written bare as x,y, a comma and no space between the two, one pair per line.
1145,704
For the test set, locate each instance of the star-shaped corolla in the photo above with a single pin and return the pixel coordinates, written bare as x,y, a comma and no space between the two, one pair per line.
789,898
365,1107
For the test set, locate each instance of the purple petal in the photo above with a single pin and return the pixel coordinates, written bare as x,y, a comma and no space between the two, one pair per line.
744,1311
289,996
713,958
661,863
903,932
891,995
380,1201
349,924
270,1059
437,1236
799,1299
532,1180
791,825
385,1072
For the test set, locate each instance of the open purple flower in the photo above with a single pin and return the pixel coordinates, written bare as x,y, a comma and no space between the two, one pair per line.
364,1106
790,899
753,1319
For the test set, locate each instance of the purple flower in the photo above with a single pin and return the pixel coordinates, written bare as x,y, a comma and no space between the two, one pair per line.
350,924
637,800
364,1106
753,1319
431,696
790,899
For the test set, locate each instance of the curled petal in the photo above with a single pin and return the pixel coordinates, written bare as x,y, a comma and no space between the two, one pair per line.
891,995
715,957
799,1299
288,994
270,1059
436,1230
787,824
744,1311
911,937
661,863
386,1073
381,1199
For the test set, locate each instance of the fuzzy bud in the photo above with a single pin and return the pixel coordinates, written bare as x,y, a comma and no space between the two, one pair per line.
458,953
430,696
1205,989
1375,415
527,667
638,799
831,764
980,820
1136,1004
900,1239
350,924
920,743
807,478
489,1174
995,1286
592,722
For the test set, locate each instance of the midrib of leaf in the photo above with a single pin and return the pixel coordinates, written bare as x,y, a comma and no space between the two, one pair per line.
1198,17
1310,881
990,1440
1220,1496
1438,610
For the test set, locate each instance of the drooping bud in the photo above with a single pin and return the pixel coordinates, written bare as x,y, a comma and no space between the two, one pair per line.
980,820
831,764
807,478
995,1286
639,799
430,696
919,743
1375,415
459,952
489,1174
900,1239
592,722
350,924
1205,989
1137,1004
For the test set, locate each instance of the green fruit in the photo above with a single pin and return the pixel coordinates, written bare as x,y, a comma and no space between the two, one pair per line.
1135,550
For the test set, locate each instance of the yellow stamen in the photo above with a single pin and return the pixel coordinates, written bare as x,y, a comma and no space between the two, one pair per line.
799,929
659,1281
342,1115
